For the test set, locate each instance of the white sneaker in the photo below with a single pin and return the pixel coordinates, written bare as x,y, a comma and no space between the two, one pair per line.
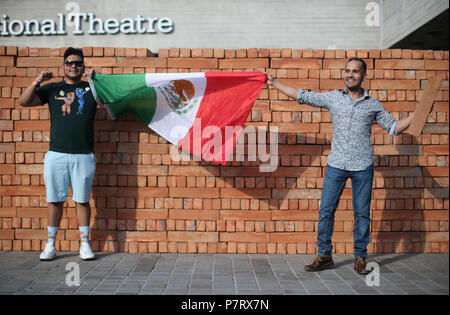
86,252
49,252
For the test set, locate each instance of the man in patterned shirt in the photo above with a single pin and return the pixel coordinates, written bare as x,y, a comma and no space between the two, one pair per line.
352,113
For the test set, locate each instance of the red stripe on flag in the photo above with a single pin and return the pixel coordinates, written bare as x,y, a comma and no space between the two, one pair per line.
228,100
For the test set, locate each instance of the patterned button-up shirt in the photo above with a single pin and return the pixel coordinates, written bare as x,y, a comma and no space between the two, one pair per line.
351,148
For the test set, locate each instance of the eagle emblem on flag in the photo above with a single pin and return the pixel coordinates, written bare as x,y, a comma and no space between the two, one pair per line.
179,95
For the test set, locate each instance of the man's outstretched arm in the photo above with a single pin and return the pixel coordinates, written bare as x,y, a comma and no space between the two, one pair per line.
288,90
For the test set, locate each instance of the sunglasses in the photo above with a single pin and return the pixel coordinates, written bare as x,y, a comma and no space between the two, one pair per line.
77,63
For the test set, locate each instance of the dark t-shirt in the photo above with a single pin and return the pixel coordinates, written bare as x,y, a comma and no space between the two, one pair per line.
72,112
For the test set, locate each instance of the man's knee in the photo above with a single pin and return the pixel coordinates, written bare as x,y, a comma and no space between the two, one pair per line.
82,204
55,204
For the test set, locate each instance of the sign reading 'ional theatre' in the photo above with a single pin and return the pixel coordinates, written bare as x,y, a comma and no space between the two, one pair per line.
82,22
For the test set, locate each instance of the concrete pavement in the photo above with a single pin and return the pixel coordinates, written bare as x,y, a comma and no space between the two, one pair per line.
219,274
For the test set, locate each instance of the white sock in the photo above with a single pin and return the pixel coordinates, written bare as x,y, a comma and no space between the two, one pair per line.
84,233
52,231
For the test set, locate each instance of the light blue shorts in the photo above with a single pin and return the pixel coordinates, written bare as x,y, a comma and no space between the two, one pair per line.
62,170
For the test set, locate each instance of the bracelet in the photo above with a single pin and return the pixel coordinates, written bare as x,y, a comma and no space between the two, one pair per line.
37,82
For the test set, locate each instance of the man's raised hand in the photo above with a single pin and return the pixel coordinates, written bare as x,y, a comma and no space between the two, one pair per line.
91,73
45,75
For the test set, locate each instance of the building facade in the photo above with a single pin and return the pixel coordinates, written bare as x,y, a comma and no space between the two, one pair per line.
298,24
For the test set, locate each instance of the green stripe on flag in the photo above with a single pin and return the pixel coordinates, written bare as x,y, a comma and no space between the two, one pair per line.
126,93
141,103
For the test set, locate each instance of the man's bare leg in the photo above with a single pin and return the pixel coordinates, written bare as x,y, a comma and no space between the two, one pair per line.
55,210
83,213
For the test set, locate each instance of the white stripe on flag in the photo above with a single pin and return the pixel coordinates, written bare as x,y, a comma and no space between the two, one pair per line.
166,122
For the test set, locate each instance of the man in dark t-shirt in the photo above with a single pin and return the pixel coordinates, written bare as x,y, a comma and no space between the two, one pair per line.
70,160
72,111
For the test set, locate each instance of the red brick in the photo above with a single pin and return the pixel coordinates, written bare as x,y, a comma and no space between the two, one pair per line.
219,53
243,63
193,170
282,193
6,61
130,52
17,245
143,52
140,214
44,52
295,127
410,64
6,234
435,215
303,215
260,215
141,236
206,63
143,148
436,150
305,84
30,234
30,169
182,192
296,63
11,50
194,214
241,53
436,171
437,65
23,125
252,53
395,84
130,192
329,84
7,147
434,237
292,237
241,236
41,62
100,61
193,236
244,192
138,170
142,62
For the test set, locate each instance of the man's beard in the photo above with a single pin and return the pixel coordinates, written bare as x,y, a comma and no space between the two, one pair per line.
74,77
354,88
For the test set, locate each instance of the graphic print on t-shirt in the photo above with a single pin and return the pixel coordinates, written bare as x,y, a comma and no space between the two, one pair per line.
80,93
68,99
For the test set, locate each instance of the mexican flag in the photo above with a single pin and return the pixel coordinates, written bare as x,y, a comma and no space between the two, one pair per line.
203,113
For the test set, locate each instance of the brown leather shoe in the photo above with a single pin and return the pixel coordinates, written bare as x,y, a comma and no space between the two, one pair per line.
320,263
360,266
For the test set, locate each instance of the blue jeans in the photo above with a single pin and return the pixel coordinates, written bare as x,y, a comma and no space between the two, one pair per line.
333,185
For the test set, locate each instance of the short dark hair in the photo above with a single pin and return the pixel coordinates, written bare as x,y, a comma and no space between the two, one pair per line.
364,64
73,51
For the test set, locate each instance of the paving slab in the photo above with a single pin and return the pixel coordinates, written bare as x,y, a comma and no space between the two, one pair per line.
22,273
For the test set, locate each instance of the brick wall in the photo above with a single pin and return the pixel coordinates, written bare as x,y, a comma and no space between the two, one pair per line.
143,201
